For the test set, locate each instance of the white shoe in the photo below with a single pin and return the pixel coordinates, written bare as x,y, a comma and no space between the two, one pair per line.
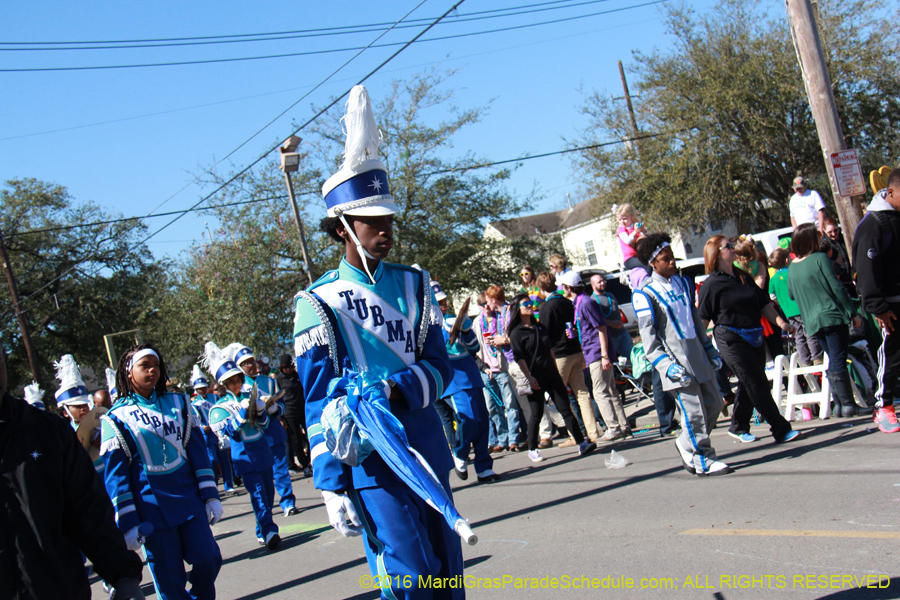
715,467
687,459
535,455
460,467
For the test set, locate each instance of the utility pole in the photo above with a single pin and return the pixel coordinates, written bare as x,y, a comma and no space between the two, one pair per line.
290,162
17,304
634,127
821,101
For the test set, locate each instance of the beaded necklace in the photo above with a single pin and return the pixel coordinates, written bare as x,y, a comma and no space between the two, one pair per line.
605,312
578,301
496,326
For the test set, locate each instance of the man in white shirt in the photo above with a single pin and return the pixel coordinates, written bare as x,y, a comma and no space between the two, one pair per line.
806,206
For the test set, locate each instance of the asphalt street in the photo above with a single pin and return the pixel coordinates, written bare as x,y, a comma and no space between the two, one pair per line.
815,518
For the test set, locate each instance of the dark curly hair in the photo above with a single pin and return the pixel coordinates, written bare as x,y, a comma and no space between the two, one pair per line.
647,244
123,384
329,225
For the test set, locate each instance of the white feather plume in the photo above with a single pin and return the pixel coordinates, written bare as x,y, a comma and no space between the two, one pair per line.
34,393
212,357
67,370
363,135
110,380
196,373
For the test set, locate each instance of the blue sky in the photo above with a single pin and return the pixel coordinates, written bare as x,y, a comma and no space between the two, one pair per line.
130,139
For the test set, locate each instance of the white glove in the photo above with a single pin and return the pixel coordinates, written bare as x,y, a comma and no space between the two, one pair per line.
717,363
340,510
245,403
273,408
131,539
214,510
261,405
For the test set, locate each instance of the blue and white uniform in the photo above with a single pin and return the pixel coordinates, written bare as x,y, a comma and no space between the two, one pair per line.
250,456
465,392
219,454
277,439
158,471
391,328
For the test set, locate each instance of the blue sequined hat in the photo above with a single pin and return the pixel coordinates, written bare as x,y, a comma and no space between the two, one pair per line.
197,378
72,389
360,187
438,291
217,363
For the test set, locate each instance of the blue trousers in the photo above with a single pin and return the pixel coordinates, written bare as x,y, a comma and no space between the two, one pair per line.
220,459
472,418
405,536
260,486
191,542
506,420
282,477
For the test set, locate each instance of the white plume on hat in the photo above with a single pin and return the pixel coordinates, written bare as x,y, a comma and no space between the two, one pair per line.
238,352
71,386
111,381
217,362
197,376
34,395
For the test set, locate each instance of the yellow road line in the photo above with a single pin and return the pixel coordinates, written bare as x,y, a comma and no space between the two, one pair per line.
893,535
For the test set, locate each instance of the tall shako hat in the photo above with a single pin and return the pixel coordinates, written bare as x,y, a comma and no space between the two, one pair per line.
71,386
34,395
111,382
217,363
239,353
197,378
360,186
438,291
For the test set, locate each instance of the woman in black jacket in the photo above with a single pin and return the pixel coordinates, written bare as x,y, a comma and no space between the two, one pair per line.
531,348
730,299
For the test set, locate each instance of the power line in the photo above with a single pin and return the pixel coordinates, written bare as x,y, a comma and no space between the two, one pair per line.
141,218
269,151
265,36
327,51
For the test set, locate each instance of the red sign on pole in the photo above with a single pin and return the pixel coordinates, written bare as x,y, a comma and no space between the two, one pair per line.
848,173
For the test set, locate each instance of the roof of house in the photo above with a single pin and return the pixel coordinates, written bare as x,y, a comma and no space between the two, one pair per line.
551,222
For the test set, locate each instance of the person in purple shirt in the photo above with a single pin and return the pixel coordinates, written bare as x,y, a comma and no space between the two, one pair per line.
598,350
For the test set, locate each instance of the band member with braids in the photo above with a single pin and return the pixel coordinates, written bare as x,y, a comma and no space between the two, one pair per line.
676,344
233,418
158,471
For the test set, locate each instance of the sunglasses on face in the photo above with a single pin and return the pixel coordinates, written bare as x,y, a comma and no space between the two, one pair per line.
728,246
524,273
528,304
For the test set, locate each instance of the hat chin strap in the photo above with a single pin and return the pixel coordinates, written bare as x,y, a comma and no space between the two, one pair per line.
359,247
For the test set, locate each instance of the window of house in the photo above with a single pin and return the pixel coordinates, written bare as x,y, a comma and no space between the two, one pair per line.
591,255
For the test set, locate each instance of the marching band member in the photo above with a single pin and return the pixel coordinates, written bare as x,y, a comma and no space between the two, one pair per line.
157,472
275,433
219,455
233,418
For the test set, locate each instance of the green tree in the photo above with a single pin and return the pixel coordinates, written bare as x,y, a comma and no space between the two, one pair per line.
735,126
77,281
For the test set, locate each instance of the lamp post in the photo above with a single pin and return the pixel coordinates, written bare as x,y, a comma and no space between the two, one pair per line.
290,162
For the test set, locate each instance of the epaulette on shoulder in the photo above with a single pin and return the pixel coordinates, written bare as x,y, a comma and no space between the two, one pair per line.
328,277
307,313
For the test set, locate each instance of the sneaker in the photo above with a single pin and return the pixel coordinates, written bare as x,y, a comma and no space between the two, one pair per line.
793,434
686,459
586,448
743,437
290,512
535,455
272,540
611,435
261,541
886,419
487,476
545,443
567,444
307,472
713,468
627,433
460,468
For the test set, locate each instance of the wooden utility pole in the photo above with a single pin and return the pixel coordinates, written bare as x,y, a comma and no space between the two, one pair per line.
821,101
17,305
634,127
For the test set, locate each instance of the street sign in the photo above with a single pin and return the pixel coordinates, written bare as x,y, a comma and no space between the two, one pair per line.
848,173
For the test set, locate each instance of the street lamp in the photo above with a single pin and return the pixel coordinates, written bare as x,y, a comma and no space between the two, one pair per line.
290,162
